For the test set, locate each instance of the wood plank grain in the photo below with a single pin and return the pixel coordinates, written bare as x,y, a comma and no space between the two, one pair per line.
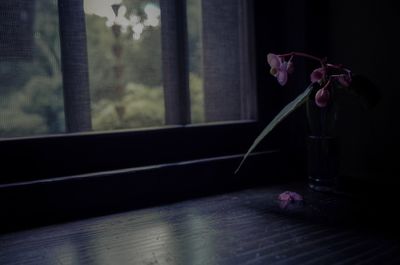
246,227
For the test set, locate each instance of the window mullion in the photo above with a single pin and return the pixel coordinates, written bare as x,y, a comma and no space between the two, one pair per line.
175,61
74,66
247,61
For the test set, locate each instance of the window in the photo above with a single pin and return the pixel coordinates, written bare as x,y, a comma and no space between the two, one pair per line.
132,64
193,78
81,170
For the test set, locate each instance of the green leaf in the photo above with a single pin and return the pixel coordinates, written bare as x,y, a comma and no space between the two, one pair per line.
297,102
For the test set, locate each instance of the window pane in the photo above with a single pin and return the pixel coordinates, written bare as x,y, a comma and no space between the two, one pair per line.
31,100
195,60
221,80
124,54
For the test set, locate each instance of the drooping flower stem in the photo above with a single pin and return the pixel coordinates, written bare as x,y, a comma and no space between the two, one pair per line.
326,86
302,54
322,61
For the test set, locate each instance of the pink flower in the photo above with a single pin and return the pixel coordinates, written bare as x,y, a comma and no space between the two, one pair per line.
317,75
279,68
322,97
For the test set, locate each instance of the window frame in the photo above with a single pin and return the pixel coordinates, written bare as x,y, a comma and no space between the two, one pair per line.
74,63
65,177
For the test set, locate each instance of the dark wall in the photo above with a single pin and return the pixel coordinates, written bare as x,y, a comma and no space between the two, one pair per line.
361,35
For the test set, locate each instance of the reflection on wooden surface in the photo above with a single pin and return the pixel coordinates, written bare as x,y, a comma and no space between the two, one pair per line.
247,227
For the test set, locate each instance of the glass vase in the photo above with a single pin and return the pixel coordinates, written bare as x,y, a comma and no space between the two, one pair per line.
322,163
322,145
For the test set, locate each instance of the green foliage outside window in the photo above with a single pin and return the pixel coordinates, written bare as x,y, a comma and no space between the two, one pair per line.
31,95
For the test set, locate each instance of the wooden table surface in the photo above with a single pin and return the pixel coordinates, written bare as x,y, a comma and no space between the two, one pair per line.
245,227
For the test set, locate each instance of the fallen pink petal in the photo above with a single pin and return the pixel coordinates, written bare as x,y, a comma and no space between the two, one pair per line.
295,196
283,204
290,196
285,196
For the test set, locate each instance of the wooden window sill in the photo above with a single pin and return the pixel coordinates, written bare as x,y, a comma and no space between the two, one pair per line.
245,227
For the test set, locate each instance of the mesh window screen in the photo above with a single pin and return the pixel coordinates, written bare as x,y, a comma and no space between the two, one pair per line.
195,48
31,100
124,55
228,88
16,27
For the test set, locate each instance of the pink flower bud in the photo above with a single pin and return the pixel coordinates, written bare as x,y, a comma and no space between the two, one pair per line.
317,75
322,97
344,80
